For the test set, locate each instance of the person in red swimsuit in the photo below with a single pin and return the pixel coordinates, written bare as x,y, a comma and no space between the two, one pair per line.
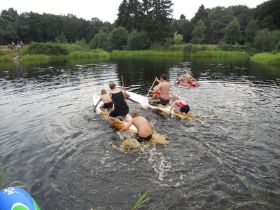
179,106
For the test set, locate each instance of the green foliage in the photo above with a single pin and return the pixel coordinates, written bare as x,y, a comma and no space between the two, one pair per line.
100,40
193,48
251,30
234,47
89,54
149,15
5,58
271,59
198,33
138,41
82,43
38,59
118,38
177,39
266,40
232,34
47,49
146,53
61,38
184,27
268,15
140,201
222,54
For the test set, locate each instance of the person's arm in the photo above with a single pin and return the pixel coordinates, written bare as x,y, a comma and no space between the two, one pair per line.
127,126
125,93
157,87
94,109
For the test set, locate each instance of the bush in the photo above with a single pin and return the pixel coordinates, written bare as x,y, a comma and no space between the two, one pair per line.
234,47
266,40
138,41
118,38
193,48
177,39
100,40
47,49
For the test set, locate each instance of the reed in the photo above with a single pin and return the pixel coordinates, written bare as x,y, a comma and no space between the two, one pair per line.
36,59
5,58
88,54
270,59
220,54
146,53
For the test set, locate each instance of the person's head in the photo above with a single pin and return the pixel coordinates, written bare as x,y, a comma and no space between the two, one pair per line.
175,98
103,92
163,77
135,113
112,85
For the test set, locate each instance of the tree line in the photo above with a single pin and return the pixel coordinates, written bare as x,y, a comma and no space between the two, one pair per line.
144,23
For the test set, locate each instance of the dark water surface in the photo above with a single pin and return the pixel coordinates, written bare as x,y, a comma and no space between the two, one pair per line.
228,158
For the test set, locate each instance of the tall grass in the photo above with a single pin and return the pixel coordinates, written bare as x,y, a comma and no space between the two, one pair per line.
143,53
221,54
271,59
5,58
36,59
88,54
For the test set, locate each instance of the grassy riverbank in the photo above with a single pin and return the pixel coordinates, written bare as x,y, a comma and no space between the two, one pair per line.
146,53
43,53
270,59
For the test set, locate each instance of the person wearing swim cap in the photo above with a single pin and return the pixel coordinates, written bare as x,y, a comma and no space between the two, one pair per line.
144,128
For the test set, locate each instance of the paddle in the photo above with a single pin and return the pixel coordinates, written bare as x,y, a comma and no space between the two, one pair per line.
151,87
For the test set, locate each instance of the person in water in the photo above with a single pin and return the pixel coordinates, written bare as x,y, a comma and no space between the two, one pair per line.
188,79
107,101
118,96
163,87
179,106
144,128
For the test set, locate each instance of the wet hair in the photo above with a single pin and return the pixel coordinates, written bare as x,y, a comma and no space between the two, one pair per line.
103,91
135,113
163,76
112,85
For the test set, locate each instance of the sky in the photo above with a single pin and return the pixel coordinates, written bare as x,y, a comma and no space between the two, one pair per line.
106,10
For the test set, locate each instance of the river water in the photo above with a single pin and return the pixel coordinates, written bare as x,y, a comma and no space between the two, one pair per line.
227,158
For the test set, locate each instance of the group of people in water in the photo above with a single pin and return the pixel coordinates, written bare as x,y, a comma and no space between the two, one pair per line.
115,102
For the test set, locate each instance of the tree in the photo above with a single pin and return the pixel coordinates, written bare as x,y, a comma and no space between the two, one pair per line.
251,30
267,14
138,41
184,27
201,14
123,14
266,40
61,38
10,15
100,40
198,33
118,38
232,34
